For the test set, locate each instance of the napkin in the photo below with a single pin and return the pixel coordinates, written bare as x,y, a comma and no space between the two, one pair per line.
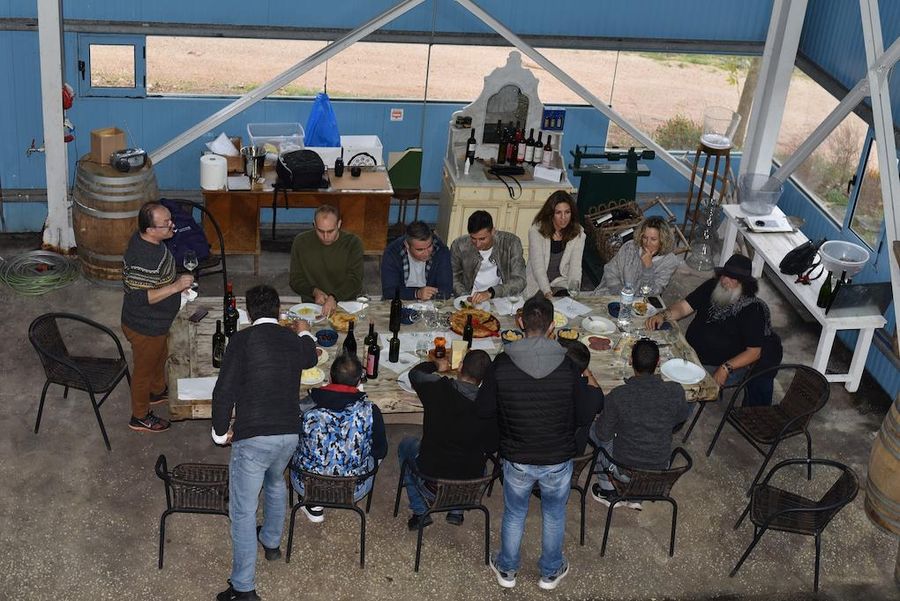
196,389
483,344
570,308
404,362
243,318
187,296
504,306
223,145
352,307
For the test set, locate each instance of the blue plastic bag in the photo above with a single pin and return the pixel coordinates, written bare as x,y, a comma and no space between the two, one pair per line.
322,127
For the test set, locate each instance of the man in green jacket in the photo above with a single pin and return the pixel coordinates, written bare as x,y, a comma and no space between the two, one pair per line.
326,263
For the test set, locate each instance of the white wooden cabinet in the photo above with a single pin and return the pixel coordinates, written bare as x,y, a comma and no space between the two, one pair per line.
464,194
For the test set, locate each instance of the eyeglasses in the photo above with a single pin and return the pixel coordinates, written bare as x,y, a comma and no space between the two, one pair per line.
169,223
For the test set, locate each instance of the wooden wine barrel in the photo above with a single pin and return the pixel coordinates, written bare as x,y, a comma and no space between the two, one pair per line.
883,482
104,214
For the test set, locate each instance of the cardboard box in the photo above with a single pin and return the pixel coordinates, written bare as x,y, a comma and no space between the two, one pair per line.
106,141
236,164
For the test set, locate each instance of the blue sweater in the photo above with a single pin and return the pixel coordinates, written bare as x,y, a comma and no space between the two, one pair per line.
395,269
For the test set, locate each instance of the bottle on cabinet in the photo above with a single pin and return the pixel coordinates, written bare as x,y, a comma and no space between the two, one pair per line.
471,144
538,150
529,148
547,159
521,149
511,147
501,146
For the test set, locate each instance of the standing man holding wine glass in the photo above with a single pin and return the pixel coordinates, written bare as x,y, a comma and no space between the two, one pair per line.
152,299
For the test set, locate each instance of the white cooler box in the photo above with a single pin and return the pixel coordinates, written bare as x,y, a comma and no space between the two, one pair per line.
351,145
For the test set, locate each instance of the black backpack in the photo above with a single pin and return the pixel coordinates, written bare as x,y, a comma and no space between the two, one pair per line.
800,259
188,233
300,170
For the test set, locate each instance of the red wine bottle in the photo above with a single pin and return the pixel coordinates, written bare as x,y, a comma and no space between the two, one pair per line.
529,148
511,145
521,149
548,152
503,142
538,150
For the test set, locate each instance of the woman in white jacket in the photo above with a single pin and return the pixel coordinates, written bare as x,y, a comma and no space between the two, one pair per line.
555,246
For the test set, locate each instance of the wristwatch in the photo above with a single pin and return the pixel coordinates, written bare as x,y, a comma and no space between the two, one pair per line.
491,290
728,367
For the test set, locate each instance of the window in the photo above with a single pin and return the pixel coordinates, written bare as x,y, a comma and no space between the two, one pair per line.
827,173
233,66
110,65
868,212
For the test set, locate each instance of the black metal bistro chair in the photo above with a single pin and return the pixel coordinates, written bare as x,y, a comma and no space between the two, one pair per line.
191,488
701,405
767,426
336,492
443,496
646,485
773,508
94,375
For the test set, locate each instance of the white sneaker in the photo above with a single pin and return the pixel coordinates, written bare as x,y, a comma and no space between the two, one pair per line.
504,579
548,583
606,497
316,515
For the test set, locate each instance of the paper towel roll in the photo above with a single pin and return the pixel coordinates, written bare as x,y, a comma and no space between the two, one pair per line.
213,172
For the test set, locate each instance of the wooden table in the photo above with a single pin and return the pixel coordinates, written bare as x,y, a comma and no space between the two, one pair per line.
363,202
770,249
190,348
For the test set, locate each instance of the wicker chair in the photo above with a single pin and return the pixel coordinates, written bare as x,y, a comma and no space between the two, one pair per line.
336,492
773,508
646,485
191,488
806,394
448,495
94,375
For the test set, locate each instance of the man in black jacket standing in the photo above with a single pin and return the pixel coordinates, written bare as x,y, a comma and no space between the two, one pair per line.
451,445
537,398
260,381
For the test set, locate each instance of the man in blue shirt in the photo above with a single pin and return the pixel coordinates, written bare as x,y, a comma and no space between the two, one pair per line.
418,264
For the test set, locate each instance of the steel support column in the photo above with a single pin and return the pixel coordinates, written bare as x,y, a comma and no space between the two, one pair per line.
884,135
58,234
770,95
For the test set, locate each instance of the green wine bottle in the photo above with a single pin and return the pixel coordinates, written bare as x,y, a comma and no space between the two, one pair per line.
824,293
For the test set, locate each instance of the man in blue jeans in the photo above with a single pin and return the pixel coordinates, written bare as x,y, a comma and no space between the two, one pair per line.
451,445
260,381
534,397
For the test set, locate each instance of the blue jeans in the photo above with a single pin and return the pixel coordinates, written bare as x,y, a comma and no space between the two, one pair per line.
257,463
408,451
518,480
757,393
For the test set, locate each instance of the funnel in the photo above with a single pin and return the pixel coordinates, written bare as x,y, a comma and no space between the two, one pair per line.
839,257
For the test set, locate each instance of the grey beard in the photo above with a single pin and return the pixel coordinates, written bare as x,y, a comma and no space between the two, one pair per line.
723,297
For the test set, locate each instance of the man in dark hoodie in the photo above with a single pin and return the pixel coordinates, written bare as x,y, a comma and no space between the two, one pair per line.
451,445
535,397
342,432
260,381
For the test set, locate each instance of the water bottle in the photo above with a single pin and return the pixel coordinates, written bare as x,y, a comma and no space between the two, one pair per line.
626,299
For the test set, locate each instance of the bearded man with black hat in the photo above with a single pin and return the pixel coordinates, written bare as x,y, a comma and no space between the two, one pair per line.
732,331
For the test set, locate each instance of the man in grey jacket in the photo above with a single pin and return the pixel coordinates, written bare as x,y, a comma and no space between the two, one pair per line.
640,416
487,262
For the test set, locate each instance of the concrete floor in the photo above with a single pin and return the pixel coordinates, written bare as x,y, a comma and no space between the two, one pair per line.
77,522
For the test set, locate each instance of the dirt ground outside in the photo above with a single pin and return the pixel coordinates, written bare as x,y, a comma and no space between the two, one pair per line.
645,89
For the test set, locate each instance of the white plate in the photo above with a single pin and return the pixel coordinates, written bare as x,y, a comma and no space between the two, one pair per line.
312,376
310,312
650,312
403,382
683,372
458,303
597,325
323,357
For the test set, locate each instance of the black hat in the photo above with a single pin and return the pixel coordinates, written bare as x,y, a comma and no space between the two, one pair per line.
738,267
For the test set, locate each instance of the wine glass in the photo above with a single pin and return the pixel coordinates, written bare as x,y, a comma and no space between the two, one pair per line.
423,345
190,263
363,300
573,288
645,290
439,299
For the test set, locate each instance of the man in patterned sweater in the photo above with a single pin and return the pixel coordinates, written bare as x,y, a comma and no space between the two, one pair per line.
152,299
